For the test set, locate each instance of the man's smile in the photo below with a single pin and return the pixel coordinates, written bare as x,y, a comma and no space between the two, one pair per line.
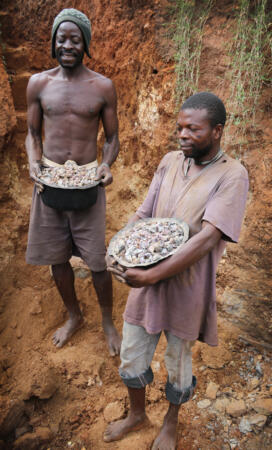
67,55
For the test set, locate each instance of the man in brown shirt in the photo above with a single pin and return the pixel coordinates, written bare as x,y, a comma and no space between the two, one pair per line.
207,189
68,102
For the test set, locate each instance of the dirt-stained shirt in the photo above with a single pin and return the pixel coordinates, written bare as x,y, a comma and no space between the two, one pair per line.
185,304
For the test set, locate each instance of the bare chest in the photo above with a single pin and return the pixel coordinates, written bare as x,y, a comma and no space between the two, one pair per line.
65,98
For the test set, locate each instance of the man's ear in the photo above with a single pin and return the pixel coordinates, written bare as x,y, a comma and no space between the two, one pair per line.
217,131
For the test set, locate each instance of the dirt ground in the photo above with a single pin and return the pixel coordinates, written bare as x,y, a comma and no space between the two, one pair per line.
58,399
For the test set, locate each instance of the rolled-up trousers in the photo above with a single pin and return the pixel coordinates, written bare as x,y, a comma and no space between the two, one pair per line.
137,351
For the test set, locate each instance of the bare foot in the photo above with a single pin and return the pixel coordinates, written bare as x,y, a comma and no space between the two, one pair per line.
112,337
167,438
63,334
117,430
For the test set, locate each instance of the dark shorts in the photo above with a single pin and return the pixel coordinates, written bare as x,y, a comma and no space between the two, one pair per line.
54,236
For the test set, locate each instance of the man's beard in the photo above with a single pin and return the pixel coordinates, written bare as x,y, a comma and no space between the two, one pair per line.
77,62
198,153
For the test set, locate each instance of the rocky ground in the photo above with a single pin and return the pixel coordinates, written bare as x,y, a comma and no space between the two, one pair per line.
64,398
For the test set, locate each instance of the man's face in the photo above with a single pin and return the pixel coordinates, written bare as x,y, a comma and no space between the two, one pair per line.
69,45
196,135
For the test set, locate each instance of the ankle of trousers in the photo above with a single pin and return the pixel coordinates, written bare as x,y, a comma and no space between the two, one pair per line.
137,382
179,397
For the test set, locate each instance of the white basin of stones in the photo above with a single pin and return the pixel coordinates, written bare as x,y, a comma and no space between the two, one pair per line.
68,176
148,241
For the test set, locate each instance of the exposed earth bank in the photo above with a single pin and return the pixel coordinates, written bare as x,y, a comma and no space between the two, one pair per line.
64,398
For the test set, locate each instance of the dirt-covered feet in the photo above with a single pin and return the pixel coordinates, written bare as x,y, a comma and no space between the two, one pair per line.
63,334
117,430
167,438
112,337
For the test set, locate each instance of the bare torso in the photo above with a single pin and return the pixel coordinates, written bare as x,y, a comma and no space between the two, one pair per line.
69,109
71,113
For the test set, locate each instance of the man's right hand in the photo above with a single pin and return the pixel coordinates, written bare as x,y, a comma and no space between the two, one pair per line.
115,268
34,172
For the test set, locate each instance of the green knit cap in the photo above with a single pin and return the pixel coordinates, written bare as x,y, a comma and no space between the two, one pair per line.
77,17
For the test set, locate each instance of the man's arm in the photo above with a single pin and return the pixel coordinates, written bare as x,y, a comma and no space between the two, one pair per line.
110,123
34,121
191,252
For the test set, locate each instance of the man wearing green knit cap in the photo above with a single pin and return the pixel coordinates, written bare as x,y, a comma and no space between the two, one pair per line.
67,102
77,17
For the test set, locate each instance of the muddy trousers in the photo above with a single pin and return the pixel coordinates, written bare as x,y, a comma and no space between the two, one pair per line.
137,351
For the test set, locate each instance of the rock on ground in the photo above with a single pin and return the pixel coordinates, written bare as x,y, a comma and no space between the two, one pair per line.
258,420
221,404
263,406
212,390
204,403
114,411
254,422
244,425
236,408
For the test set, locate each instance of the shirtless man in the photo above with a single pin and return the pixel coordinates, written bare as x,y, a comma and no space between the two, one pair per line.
68,102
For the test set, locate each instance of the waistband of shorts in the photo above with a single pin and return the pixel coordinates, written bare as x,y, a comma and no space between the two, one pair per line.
50,163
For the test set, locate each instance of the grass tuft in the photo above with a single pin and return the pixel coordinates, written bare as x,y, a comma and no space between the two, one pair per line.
248,49
189,18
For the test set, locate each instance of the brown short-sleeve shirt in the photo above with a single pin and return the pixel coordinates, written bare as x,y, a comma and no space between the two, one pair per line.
185,304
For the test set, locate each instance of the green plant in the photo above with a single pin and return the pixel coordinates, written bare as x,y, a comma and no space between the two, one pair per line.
189,18
247,64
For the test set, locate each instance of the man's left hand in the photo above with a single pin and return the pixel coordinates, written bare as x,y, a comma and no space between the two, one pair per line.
103,173
134,277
